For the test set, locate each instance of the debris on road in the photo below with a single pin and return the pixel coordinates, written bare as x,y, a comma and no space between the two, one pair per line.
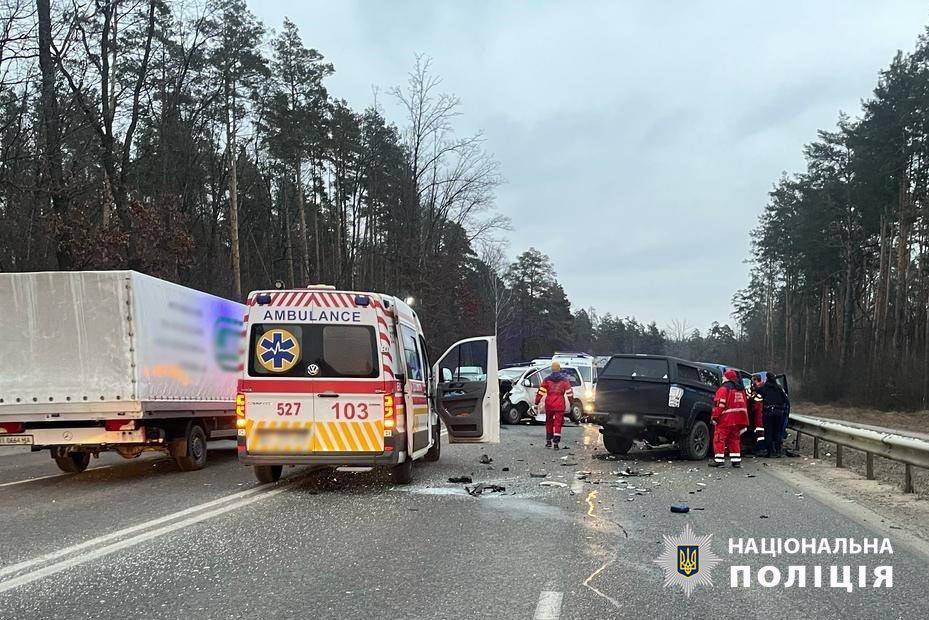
629,472
680,508
479,488
749,475
505,469
552,483
461,479
486,460
566,464
701,484
540,474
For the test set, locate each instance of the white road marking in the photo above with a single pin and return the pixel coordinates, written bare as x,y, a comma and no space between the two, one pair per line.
9,484
99,540
549,605
100,552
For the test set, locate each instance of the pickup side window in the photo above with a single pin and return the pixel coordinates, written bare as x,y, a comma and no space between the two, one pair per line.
688,373
636,368
709,378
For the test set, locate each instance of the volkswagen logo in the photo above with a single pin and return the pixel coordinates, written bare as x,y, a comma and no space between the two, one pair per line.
312,370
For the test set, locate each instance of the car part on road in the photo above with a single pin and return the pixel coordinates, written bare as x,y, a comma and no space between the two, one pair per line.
71,462
629,472
461,479
552,483
479,488
268,473
486,460
617,444
680,508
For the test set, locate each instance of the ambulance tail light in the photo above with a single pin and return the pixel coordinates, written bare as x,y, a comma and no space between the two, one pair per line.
11,427
390,419
240,410
119,425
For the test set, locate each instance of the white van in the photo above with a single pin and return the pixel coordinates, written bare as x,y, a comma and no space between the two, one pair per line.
342,378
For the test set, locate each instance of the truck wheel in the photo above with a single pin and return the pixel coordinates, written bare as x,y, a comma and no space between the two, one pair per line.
433,454
695,444
190,453
72,462
511,415
577,412
268,473
402,473
617,444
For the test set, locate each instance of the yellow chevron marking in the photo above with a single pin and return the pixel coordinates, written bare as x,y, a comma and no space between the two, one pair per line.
332,427
363,443
373,439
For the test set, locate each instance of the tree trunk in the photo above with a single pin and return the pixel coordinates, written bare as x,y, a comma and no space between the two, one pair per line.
304,248
233,215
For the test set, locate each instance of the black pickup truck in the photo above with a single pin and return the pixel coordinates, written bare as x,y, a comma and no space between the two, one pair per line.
657,398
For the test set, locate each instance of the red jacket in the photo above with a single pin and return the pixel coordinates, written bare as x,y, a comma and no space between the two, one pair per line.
554,389
730,405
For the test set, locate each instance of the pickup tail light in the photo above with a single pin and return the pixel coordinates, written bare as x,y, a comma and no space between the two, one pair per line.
11,427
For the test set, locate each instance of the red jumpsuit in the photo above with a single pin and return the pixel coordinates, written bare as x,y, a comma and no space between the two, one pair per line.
756,413
557,392
730,415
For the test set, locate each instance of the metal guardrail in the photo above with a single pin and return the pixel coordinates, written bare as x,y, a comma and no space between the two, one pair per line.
911,451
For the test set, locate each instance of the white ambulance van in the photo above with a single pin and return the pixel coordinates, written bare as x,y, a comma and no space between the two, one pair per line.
342,378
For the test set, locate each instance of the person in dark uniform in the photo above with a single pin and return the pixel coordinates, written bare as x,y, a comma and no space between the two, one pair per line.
776,407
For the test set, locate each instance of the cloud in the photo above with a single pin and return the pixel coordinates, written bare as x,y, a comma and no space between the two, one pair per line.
639,140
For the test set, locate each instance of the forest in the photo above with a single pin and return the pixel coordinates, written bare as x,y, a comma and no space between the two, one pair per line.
839,290
195,143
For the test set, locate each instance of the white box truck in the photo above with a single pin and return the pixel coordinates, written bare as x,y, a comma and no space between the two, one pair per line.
115,360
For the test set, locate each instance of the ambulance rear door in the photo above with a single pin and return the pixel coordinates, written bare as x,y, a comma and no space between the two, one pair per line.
467,391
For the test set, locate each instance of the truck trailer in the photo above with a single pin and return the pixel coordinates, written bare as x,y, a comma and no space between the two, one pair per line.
92,361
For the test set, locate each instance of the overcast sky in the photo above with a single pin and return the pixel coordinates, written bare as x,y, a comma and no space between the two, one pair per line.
638,139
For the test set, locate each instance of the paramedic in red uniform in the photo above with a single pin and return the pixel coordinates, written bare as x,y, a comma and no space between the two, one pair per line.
557,392
730,418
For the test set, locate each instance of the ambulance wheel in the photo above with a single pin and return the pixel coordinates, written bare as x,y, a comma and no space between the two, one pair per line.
190,452
268,473
72,462
695,444
617,444
512,415
435,452
402,473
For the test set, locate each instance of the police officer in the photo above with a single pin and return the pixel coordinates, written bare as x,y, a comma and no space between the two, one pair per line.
776,408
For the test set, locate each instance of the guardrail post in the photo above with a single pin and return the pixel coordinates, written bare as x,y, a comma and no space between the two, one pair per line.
815,447
869,465
838,455
907,478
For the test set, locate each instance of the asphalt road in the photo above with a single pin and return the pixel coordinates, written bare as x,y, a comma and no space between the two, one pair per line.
141,539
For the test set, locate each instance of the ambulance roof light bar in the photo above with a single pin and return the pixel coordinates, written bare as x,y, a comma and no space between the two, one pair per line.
327,287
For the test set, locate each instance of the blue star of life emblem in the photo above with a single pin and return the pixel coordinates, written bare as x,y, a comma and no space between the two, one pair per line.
278,350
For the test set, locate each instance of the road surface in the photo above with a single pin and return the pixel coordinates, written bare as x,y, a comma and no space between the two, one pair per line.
141,539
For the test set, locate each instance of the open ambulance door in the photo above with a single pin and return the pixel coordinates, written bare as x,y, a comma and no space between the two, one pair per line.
467,391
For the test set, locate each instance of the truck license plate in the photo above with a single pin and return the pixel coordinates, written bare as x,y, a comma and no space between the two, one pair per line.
16,440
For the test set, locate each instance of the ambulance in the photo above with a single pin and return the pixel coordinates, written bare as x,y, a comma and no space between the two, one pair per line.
343,378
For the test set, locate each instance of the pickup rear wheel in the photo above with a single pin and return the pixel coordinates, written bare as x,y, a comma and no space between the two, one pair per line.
190,452
402,473
268,473
695,444
72,462
617,444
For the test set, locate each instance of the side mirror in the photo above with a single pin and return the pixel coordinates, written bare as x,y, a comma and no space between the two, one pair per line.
527,383
446,375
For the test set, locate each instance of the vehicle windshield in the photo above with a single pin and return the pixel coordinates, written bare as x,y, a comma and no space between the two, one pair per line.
313,351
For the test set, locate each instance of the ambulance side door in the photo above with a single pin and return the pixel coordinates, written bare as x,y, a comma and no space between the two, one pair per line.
467,391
